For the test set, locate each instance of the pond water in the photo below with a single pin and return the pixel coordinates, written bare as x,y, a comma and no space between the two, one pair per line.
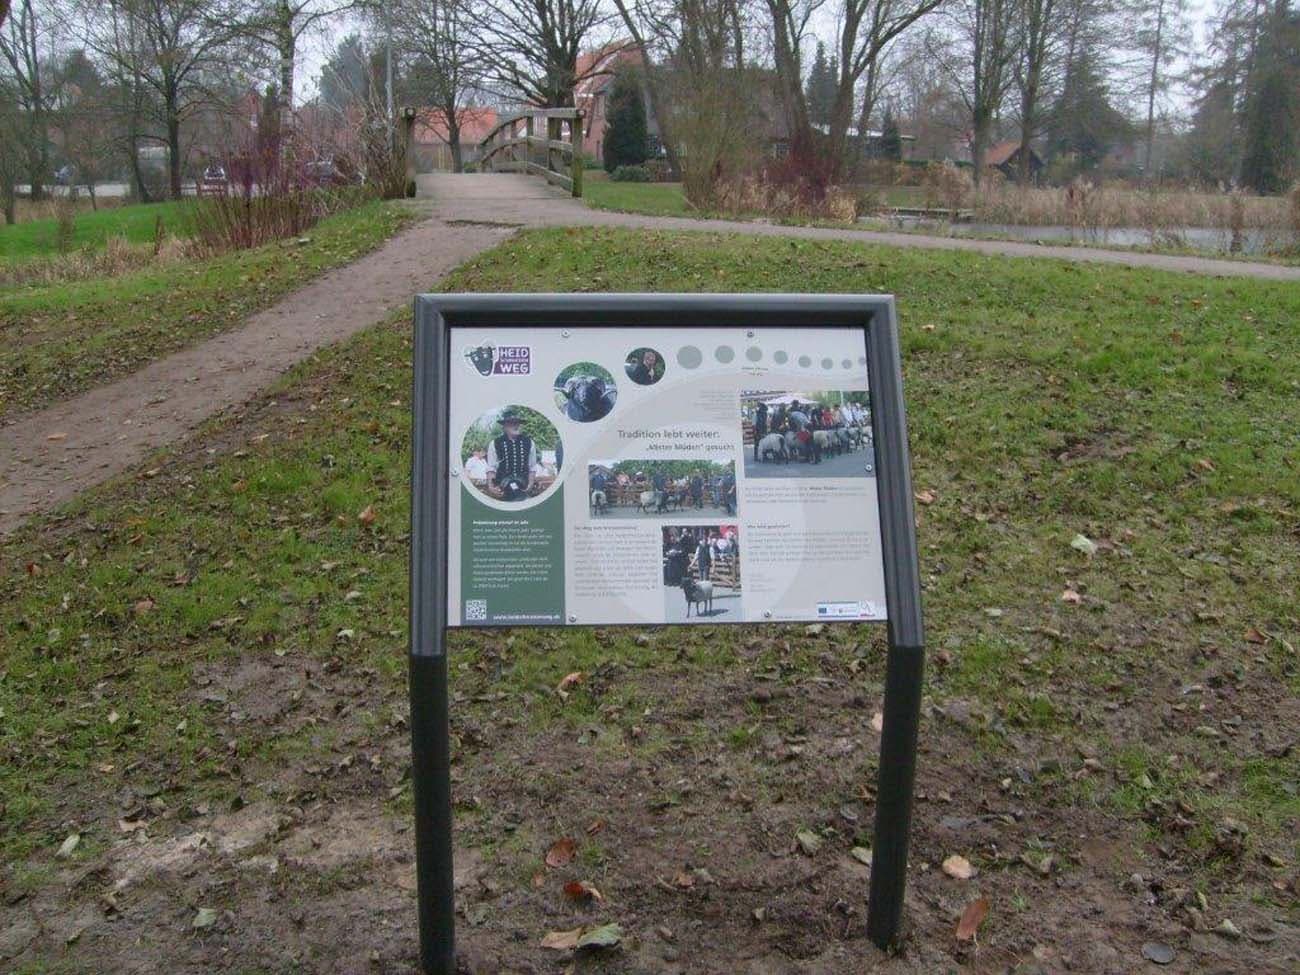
1207,239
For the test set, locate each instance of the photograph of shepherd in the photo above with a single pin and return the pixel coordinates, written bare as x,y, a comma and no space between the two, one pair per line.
585,392
701,567
655,488
645,367
511,453
821,433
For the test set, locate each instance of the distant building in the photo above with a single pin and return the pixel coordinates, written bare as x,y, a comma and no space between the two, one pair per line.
1005,157
432,151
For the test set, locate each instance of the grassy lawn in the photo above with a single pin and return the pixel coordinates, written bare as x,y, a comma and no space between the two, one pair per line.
656,199
189,648
58,340
137,223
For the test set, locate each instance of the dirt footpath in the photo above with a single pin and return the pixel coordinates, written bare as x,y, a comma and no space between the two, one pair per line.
48,457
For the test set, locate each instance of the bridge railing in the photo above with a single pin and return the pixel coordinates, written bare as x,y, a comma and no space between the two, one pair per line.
516,145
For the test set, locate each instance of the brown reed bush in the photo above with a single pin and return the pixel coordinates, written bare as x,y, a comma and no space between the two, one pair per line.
945,185
241,221
756,195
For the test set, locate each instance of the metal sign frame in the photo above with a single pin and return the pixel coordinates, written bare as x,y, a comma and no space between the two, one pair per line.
435,315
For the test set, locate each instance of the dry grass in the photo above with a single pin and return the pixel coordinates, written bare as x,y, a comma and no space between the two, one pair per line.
1084,204
117,257
753,194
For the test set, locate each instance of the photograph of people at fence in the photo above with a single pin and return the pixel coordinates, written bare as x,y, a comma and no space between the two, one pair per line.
656,488
820,433
701,569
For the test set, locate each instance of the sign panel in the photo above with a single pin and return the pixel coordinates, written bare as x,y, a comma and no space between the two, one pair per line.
607,475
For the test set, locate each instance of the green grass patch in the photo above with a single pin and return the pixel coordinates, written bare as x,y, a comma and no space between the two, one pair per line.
656,199
59,340
1155,413
136,223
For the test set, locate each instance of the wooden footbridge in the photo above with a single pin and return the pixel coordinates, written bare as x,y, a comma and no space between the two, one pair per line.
517,145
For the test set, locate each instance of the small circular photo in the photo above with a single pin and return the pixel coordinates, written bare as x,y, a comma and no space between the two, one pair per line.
645,367
511,453
585,392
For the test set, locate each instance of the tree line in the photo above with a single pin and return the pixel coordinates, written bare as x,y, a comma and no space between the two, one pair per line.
728,84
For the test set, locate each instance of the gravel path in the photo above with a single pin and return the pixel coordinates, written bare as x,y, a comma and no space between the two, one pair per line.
50,456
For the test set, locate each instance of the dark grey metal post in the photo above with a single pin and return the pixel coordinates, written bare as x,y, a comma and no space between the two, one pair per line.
905,664
430,730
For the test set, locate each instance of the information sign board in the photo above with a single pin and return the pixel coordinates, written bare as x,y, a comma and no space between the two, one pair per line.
658,459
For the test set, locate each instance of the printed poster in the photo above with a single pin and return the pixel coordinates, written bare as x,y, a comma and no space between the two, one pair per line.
661,475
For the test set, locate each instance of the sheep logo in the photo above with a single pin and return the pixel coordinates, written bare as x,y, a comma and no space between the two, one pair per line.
481,358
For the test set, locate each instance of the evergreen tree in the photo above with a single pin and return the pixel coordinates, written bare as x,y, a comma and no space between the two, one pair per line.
1084,124
626,139
819,88
891,140
1272,111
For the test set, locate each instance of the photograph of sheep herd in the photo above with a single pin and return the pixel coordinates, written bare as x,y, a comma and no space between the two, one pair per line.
822,433
701,573
655,488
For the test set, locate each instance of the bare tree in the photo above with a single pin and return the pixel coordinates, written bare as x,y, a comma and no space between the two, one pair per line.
532,46
1040,32
446,68
166,47
280,26
12,155
791,27
20,52
982,69
1160,37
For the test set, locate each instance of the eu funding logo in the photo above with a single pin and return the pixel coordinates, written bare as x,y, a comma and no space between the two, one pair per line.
500,360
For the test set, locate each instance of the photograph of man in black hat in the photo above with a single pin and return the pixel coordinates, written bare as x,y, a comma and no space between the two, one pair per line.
511,460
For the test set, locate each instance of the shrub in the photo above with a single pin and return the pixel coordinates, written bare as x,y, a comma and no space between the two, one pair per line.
658,170
223,223
630,174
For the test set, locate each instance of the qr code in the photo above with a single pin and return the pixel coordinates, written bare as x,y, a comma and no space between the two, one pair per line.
475,610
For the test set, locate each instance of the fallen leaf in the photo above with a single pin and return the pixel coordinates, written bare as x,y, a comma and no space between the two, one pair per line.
684,880
861,854
808,841
561,851
925,497
69,846
367,515
143,606
205,918
1205,464
113,717
595,826
958,867
562,940
878,722
1084,544
580,890
971,918
33,569
57,436
605,936
1072,597
1255,635
569,680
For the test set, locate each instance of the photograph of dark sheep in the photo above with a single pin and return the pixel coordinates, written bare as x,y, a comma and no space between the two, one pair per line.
656,488
701,573
822,433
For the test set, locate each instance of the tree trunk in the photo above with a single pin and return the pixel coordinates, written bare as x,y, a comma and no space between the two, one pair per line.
979,143
10,203
287,47
1026,134
1155,78
174,151
453,143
